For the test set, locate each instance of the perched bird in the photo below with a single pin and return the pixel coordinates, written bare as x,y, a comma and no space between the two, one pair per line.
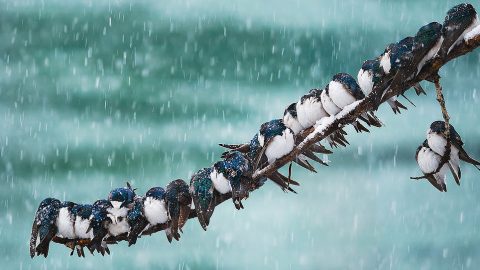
396,64
204,195
429,161
121,200
136,220
100,221
44,226
426,44
233,174
459,20
82,213
344,90
178,206
437,142
371,75
147,212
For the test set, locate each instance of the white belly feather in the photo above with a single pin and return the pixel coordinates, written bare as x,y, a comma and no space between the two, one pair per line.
220,183
292,123
365,80
309,112
340,95
279,146
328,104
81,227
119,223
155,211
65,224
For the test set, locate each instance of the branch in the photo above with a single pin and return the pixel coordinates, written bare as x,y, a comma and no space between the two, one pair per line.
348,116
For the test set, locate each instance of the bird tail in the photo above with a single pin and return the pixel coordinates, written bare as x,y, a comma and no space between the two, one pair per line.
33,239
396,105
419,89
465,157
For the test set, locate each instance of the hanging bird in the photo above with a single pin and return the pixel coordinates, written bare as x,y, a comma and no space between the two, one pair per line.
136,220
44,226
100,221
426,44
121,200
178,206
437,142
370,76
459,20
204,195
395,62
81,213
429,161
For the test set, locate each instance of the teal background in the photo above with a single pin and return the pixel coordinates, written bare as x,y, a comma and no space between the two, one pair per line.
95,93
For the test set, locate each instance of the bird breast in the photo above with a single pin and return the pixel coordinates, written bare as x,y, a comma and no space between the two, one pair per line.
460,38
279,146
65,224
437,143
220,183
328,104
365,80
340,95
431,53
155,211
309,112
385,62
292,123
81,227
428,161
119,223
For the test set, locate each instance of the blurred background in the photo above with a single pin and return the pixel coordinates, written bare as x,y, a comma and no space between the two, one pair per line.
95,93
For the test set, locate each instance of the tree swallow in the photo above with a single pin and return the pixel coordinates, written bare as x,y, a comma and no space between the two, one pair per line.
459,20
121,200
371,75
100,221
396,64
437,142
426,44
44,226
82,214
204,195
428,161
178,207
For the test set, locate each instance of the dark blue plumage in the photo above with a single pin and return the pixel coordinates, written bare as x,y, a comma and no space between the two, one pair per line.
350,84
99,222
459,20
272,128
156,193
204,195
44,227
125,195
178,206
82,210
137,220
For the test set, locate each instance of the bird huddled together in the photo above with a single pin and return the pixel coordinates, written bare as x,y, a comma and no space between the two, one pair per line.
429,155
126,215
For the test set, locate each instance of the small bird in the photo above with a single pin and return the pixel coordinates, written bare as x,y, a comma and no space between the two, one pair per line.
437,142
426,44
371,75
155,206
122,200
234,173
396,62
81,213
100,221
44,226
178,206
344,90
429,161
459,20
275,139
136,220
204,195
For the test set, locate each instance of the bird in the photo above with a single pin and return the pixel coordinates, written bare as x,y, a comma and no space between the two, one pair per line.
122,200
234,174
459,20
136,219
44,226
426,44
344,90
100,221
395,62
437,142
178,207
204,195
81,213
429,161
305,113
370,76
